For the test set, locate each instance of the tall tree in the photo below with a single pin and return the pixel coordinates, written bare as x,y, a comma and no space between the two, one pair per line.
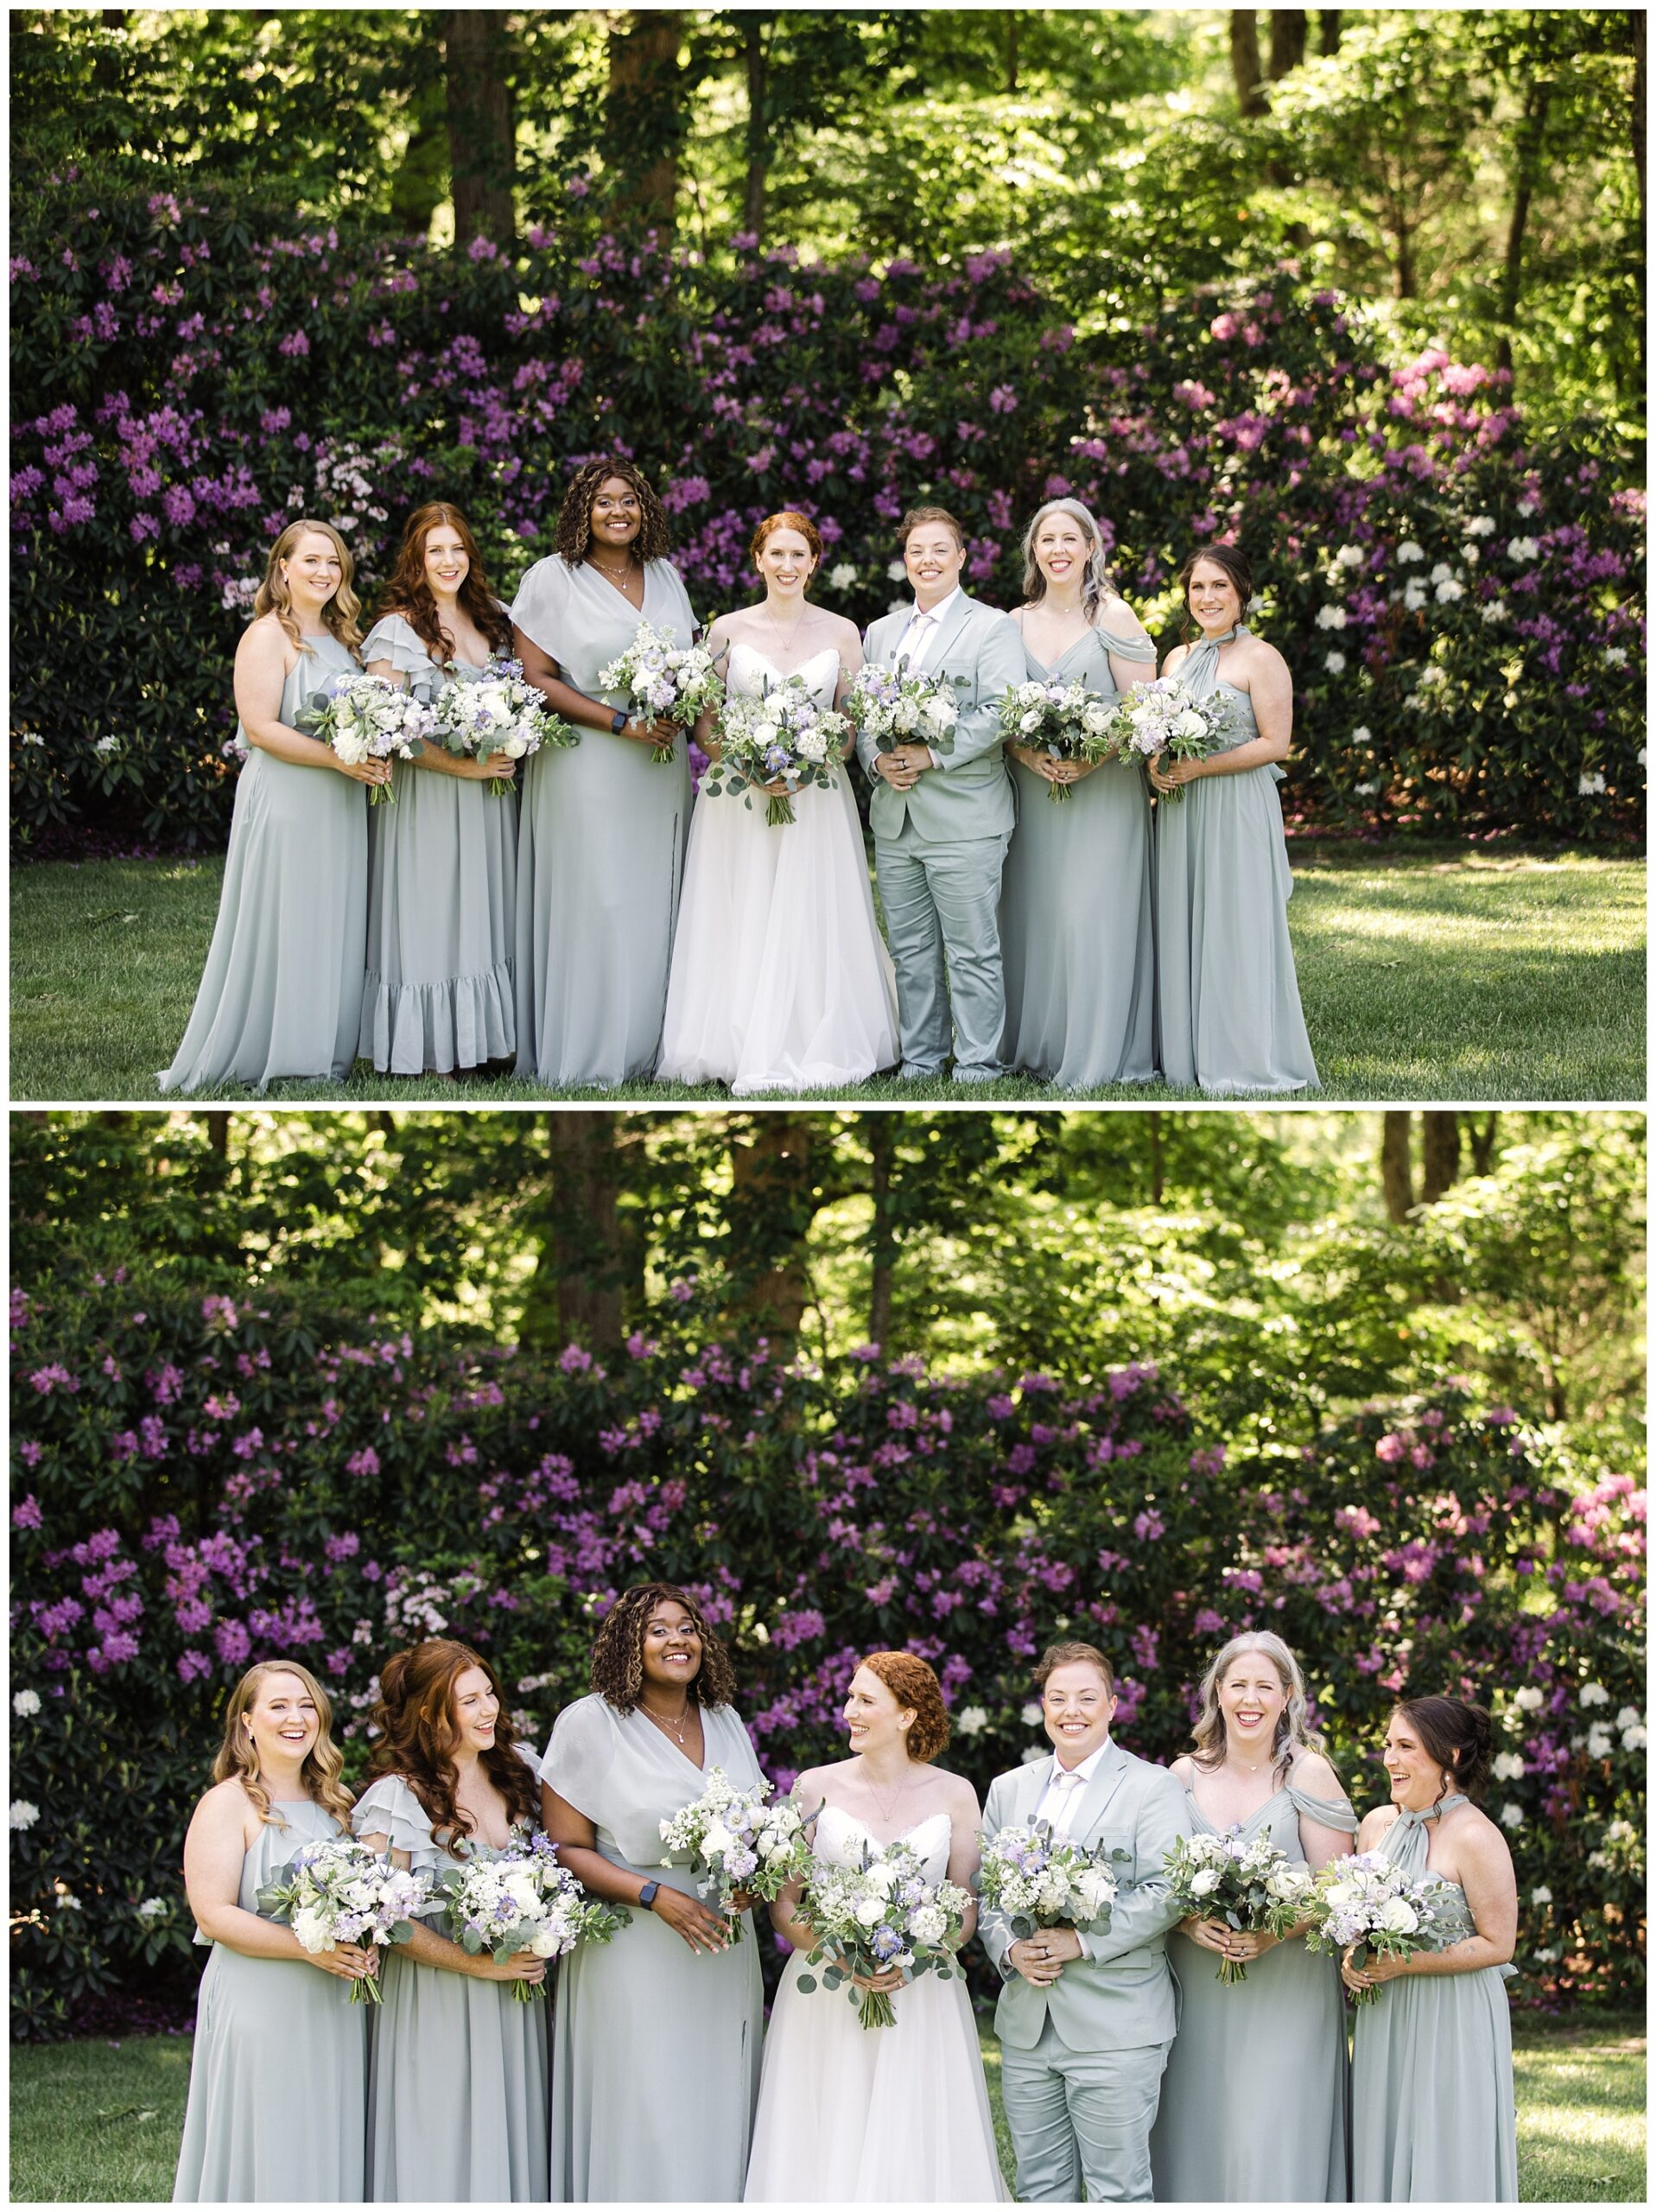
591,1263
645,120
1287,40
482,161
1245,70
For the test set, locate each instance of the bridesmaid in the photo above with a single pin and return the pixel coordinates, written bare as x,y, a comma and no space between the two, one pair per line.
442,873
1075,922
282,991
1256,1766
600,852
655,2061
1433,2105
1228,1003
276,2105
457,2088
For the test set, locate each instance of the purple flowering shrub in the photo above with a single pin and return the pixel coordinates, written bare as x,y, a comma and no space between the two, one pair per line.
199,1484
1459,596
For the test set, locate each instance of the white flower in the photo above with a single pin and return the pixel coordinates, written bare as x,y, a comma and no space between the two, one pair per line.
1527,507
1512,1816
1521,549
1508,1766
1493,610
1481,526
1030,1753
971,1720
1629,1716
1616,655
27,1701
1590,787
1362,734
23,1815
108,745
1350,557
1365,791
310,1927
1599,1741
927,1924
68,1901
1543,1895
842,575
871,1911
1202,1883
1399,1916
1448,591
1409,551
898,571
1440,571
1031,1715
1469,555
1414,597
1330,618
152,1908
1529,1699
1335,664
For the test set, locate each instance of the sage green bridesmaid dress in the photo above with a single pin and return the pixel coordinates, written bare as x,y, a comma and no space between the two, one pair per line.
277,2107
1227,999
1434,2111
442,886
1286,2023
282,991
1076,916
655,2050
601,850
457,2086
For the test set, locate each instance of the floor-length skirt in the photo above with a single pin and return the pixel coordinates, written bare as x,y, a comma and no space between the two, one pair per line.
1433,2113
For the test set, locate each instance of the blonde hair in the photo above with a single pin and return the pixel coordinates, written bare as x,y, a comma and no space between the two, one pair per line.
1293,1727
273,597
238,1760
1096,586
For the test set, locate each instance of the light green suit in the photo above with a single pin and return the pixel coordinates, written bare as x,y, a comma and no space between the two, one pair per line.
1082,2062
938,850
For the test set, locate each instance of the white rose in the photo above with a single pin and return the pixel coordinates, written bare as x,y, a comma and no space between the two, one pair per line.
1186,724
351,745
871,1911
881,1878
311,1929
1204,1884
765,734
717,1839
1398,1916
547,1941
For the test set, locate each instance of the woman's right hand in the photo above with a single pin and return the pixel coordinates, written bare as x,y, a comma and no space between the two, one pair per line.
481,768
522,1965
362,772
687,1917
1210,1935
351,1961
659,732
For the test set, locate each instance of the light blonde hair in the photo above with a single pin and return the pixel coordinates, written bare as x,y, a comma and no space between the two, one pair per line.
238,1760
273,597
1096,586
1293,1727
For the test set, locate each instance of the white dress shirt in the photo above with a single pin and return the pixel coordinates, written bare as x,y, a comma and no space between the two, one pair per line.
918,640
1064,1789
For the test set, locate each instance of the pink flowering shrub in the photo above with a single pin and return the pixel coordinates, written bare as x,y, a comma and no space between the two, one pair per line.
1459,598
199,1484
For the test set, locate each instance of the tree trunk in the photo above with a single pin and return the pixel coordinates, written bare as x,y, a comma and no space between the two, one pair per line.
1012,25
1245,61
643,113
1157,1165
882,1239
218,1133
1403,286
477,54
1440,1149
1328,29
1530,134
1483,1142
1638,118
1287,40
1397,1172
770,1210
587,1253
759,123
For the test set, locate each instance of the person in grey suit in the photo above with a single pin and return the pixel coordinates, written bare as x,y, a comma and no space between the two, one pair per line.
942,815
1086,2018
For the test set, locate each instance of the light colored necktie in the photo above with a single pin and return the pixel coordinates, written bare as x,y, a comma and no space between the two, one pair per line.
915,644
1068,1783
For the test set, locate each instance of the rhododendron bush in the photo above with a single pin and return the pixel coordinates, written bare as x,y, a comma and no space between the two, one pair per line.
1460,599
199,1484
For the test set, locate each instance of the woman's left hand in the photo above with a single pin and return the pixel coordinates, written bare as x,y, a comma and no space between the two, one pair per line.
1371,1976
1167,774
1245,1943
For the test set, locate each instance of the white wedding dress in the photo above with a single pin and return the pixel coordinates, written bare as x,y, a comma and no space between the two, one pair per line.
856,2115
780,980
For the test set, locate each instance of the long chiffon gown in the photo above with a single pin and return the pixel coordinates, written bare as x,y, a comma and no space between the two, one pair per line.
1434,2112
442,885
600,849
856,2115
281,994
457,2089
780,980
278,2076
656,2054
1076,917
1229,1001
1288,2016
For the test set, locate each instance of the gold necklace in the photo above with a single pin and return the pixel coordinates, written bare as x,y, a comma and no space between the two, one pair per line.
885,1811
673,1728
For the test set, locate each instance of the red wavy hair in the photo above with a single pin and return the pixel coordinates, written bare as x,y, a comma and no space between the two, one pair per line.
408,594
416,1719
916,1690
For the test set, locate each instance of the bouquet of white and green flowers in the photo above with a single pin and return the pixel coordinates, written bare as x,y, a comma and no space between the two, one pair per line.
740,1841
1364,1903
1066,720
783,738
1160,716
664,680
336,1891
880,1914
895,706
523,1900
499,712
1250,1886
366,718
1040,1879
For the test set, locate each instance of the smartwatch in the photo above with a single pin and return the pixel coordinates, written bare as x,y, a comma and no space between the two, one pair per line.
647,1895
618,723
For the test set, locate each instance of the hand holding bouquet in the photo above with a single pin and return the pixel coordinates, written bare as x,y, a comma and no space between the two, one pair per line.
1042,1880
664,681
339,1891
745,1845
523,1901
1161,717
896,705
1364,1903
785,737
881,1915
1066,720
365,718
500,713
1252,1886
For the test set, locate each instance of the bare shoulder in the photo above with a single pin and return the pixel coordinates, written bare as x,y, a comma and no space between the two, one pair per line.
224,1810
1477,1841
1183,1770
811,1787
843,630
1261,659
1375,1824
264,643
1311,1771
1114,614
1175,659
958,1794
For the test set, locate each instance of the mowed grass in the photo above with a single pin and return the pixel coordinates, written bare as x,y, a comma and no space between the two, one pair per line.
1424,973
94,2121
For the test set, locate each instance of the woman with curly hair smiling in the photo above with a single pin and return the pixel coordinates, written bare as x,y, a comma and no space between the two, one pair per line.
655,2062
601,850
457,2088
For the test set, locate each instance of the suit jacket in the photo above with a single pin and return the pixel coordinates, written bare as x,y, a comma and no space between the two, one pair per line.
971,795
1123,1996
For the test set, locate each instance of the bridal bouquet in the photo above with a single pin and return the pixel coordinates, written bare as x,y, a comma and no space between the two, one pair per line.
1161,717
523,1901
366,718
785,737
1065,719
740,1842
661,678
883,1913
895,706
1362,1902
1247,1885
339,1891
1042,1880
498,713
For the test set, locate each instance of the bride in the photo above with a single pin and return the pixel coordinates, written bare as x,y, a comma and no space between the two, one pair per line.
882,2115
779,979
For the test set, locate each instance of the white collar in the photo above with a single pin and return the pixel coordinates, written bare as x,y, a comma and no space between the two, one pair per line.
936,613
1084,1772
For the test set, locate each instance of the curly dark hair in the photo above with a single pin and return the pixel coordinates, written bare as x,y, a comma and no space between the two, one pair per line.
655,538
1458,1736
415,1718
408,594
916,1690
618,1650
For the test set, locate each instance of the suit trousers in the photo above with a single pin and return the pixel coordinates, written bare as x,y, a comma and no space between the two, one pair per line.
1082,2115
942,916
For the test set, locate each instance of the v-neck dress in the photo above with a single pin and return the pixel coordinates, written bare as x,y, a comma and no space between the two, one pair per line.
1219,2137
1077,934
655,2047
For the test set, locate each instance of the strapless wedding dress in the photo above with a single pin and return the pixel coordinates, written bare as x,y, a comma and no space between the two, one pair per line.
780,980
856,2115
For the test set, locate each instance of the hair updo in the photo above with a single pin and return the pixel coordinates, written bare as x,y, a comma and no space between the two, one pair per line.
1235,564
787,518
917,1690
1458,1736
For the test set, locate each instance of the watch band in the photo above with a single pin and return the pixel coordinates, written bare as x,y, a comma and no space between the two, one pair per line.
618,720
647,1895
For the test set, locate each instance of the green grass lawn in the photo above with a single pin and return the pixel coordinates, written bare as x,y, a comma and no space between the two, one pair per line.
92,2121
1428,973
